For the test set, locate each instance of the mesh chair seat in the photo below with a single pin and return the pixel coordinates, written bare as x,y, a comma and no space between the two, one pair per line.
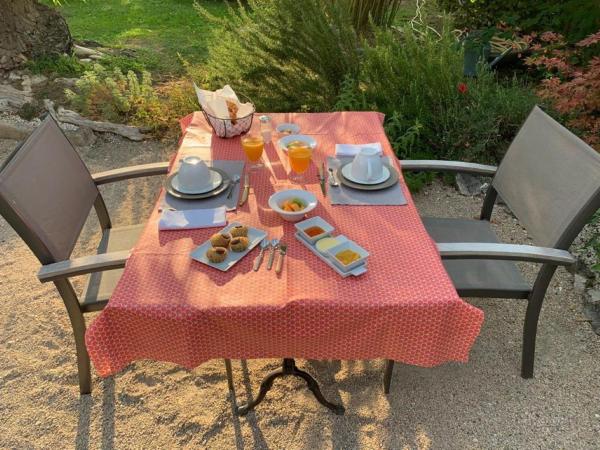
100,285
477,277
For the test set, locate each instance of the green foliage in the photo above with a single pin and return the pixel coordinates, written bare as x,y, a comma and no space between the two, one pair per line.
111,95
594,242
286,55
574,18
380,12
415,78
57,65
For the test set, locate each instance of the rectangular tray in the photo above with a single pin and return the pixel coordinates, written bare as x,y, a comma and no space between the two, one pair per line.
357,271
254,236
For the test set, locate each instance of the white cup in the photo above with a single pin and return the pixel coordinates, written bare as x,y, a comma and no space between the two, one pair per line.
367,164
193,173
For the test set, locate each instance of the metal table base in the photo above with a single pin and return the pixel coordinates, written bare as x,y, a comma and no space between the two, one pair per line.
289,368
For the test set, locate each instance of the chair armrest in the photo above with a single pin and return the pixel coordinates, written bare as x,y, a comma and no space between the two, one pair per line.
125,173
512,252
428,165
83,265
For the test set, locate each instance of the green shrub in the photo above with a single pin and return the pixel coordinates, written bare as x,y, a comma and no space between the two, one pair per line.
574,18
381,12
286,55
57,65
415,78
110,95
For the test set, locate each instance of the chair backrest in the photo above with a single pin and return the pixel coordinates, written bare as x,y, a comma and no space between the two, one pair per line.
47,192
550,179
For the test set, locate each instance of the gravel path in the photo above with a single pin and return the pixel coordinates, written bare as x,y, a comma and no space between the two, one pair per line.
482,404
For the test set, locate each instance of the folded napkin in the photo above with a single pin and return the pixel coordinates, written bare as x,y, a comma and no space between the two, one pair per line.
353,149
192,218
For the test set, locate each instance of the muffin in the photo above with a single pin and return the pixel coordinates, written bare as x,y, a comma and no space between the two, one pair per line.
239,244
239,231
220,240
216,254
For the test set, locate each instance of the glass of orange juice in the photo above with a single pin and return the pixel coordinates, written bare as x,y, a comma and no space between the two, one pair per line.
300,156
253,145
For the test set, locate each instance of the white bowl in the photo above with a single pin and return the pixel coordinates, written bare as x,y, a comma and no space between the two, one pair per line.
286,140
309,199
348,245
314,222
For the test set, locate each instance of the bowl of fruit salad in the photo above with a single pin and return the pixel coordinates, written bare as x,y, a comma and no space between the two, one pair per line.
292,204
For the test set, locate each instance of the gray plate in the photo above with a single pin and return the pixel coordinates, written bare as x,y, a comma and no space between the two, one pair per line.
391,181
224,185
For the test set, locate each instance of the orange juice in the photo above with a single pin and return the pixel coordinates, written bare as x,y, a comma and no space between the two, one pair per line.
253,147
300,156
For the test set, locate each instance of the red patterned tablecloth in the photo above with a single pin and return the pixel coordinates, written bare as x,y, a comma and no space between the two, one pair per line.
168,307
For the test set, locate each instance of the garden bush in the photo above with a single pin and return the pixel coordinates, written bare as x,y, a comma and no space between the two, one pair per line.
286,55
110,95
413,75
574,18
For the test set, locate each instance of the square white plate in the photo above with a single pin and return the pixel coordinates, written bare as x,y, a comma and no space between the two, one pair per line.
254,237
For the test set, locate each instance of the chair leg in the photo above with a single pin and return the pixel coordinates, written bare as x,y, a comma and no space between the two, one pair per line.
532,315
83,359
229,374
387,376
529,334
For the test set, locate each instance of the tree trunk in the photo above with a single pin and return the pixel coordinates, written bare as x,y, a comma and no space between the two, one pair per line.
28,30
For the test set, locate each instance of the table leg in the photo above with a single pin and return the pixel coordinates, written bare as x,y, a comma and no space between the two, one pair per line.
289,368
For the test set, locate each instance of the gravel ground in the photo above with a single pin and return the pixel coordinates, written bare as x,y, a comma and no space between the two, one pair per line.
482,404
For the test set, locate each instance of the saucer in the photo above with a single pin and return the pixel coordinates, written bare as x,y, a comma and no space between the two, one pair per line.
347,172
215,181
288,128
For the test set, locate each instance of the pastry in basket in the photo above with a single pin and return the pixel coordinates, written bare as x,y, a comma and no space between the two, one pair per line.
220,240
239,230
233,108
239,244
216,254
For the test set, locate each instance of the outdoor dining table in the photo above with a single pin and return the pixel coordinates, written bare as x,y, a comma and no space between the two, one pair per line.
168,307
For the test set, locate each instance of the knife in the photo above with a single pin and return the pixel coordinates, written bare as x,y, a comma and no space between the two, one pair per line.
282,252
322,179
246,189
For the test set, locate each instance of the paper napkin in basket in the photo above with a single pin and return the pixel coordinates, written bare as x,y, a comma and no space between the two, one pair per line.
215,102
342,150
192,218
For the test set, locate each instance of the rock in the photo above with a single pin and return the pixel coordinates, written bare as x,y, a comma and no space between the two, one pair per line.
14,132
82,137
14,75
85,60
468,184
593,296
96,57
36,80
84,52
66,82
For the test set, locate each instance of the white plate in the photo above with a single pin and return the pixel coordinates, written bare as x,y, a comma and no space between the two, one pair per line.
288,128
284,141
359,270
347,172
254,237
215,181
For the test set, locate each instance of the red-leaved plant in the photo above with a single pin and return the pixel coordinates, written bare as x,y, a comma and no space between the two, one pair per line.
572,82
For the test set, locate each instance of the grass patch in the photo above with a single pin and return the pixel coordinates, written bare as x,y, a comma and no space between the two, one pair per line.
57,65
158,30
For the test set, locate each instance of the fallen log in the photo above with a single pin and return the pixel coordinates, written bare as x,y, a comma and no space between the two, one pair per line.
12,99
67,116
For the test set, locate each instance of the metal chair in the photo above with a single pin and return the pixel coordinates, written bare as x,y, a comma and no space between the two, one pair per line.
550,179
46,194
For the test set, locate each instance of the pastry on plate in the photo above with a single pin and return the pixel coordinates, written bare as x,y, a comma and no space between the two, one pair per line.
216,254
220,240
239,244
239,230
